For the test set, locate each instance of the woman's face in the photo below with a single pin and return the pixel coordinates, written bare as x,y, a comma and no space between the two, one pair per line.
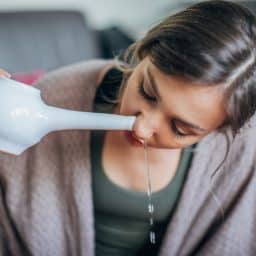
171,113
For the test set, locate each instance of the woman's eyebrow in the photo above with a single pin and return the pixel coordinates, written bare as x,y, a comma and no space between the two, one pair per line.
155,89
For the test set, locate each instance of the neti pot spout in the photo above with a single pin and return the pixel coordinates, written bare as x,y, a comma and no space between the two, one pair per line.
64,119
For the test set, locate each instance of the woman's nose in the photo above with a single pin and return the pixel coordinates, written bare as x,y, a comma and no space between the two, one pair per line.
144,128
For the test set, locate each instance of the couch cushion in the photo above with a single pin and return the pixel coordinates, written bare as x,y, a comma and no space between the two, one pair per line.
45,40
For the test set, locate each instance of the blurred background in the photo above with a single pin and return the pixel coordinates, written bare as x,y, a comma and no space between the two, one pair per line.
38,36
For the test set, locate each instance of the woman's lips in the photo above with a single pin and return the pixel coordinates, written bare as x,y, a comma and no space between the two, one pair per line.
132,140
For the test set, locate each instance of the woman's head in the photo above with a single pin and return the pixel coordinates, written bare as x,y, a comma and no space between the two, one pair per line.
207,53
165,106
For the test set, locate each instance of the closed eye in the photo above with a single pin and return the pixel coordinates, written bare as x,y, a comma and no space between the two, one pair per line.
176,131
144,94
150,98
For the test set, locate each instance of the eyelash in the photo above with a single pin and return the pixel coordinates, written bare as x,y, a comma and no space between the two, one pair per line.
176,131
153,99
144,94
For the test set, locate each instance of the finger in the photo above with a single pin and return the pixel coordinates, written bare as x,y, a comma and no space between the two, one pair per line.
4,73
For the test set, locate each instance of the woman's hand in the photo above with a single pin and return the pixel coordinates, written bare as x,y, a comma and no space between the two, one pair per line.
4,73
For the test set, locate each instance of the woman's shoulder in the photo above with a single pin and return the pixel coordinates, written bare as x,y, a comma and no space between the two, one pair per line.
110,65
109,86
78,80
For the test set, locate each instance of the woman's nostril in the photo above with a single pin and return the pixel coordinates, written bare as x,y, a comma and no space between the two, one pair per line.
143,128
142,134
138,138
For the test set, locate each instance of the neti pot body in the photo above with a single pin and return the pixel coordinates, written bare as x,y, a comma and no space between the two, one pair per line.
25,118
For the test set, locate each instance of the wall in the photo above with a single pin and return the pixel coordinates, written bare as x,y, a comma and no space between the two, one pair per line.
135,16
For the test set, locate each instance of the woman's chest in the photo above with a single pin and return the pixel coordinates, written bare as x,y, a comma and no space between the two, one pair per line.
130,170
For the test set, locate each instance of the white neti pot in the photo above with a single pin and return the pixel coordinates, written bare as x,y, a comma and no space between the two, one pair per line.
25,118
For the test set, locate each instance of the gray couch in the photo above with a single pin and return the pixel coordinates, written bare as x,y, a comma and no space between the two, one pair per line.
50,39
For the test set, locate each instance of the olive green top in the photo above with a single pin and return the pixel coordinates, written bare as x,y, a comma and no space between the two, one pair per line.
121,215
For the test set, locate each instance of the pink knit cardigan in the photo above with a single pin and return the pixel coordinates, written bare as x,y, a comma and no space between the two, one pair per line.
46,199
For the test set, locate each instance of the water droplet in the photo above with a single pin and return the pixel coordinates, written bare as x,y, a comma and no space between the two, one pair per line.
152,237
151,208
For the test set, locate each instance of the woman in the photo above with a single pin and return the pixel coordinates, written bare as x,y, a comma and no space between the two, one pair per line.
192,76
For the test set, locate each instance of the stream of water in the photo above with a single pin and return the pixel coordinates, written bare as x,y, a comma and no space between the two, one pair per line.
152,235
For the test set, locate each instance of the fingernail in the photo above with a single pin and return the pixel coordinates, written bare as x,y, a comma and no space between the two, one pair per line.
7,75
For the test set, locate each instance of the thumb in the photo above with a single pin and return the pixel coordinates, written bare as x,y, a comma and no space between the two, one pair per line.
4,73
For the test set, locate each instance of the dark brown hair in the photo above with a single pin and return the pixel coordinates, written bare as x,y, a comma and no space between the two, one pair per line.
211,42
